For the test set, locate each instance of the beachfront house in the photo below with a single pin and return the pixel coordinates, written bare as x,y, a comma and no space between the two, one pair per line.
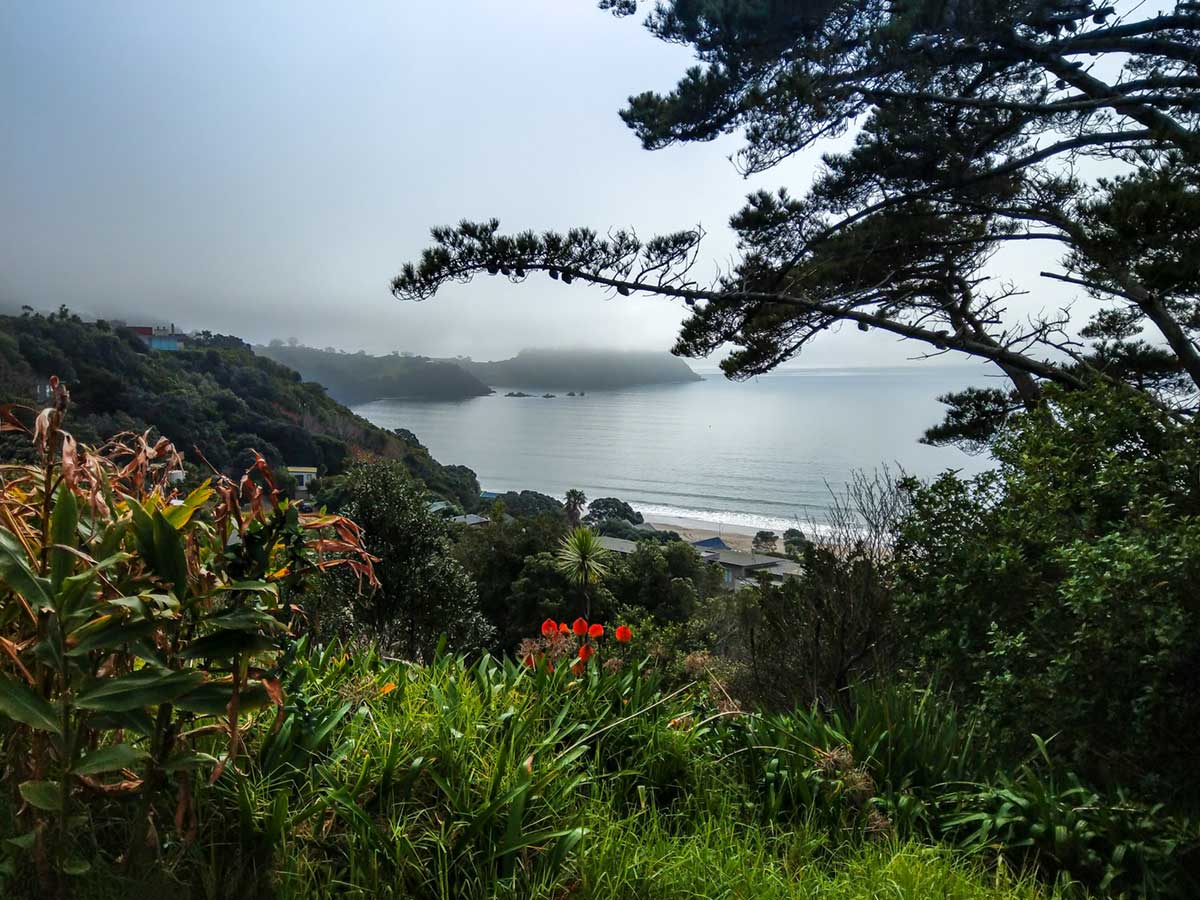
741,569
304,475
617,545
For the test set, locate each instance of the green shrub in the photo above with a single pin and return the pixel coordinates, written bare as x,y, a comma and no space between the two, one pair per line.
139,630
1058,594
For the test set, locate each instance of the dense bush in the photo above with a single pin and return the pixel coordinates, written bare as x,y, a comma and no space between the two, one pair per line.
621,528
425,595
140,629
612,508
492,779
215,396
1059,593
529,503
666,581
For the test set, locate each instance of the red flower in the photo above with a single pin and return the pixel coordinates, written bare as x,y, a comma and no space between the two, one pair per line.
577,669
585,652
564,628
623,634
596,631
579,626
549,627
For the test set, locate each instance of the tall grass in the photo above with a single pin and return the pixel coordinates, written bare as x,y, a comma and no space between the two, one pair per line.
488,779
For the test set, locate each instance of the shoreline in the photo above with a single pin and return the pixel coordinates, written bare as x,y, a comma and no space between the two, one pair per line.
738,537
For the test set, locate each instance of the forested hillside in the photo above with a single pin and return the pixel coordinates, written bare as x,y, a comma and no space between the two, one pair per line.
216,396
358,378
589,370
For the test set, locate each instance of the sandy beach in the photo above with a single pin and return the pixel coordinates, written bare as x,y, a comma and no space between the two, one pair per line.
738,537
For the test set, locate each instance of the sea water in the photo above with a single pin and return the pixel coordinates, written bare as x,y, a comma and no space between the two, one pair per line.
762,454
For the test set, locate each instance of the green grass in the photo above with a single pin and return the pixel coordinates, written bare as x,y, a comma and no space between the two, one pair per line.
490,780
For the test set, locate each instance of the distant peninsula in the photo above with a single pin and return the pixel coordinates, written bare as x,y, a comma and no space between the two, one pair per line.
352,378
575,370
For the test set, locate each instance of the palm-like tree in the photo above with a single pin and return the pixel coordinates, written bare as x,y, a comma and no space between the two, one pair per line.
576,501
583,560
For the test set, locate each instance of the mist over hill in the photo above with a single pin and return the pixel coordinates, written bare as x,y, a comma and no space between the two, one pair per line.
588,370
357,377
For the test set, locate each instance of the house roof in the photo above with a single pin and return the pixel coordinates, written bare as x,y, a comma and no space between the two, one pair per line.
439,505
773,565
712,543
744,560
617,545
470,519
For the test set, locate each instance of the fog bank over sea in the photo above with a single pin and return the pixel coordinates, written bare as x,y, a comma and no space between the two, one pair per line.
757,454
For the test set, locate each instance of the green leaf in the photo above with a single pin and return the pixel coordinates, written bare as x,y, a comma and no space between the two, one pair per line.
75,587
143,530
25,841
45,795
244,618
135,720
224,644
260,587
170,561
148,687
76,867
145,605
566,842
106,633
109,759
16,573
179,516
188,760
64,525
18,701
212,698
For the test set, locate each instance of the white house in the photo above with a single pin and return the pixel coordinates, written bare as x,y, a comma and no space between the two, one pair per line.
304,475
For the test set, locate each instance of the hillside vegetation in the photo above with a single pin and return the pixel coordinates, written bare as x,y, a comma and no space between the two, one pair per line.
359,378
218,397
588,370
202,693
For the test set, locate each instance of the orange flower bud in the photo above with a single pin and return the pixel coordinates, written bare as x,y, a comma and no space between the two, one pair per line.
585,652
623,634
579,626
549,627
564,628
596,631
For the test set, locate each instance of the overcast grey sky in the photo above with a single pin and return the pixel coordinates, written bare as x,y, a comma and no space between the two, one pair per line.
265,168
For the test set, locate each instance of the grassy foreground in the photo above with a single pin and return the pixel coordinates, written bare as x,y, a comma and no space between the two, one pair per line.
462,780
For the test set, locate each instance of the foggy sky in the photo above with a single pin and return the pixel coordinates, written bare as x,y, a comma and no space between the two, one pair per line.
264,169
